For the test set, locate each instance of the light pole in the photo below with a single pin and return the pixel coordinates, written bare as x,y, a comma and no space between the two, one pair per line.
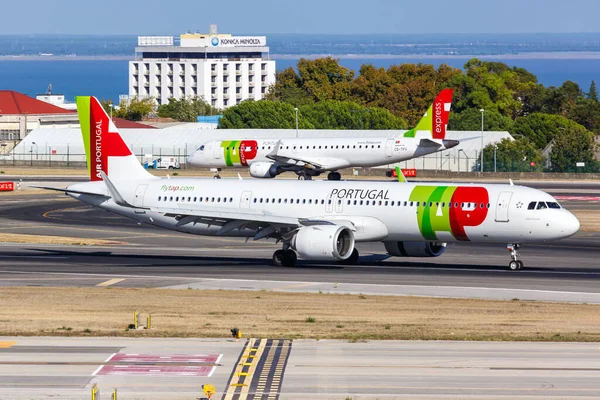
495,147
296,109
481,152
111,108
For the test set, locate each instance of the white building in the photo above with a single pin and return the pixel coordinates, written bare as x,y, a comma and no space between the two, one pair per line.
222,69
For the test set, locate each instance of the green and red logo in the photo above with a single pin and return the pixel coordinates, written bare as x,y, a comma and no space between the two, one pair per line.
449,209
239,151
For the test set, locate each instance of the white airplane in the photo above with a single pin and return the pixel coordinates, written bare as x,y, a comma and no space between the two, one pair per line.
268,158
316,220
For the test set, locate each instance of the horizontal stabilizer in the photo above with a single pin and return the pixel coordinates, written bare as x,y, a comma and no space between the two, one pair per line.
67,191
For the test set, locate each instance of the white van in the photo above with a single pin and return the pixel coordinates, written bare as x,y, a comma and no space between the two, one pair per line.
165,163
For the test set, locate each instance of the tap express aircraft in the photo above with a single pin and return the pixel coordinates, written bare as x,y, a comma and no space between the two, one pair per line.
314,220
310,157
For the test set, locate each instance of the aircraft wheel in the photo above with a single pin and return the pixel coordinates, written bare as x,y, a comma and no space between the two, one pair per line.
289,258
513,265
520,264
337,176
304,176
278,258
216,177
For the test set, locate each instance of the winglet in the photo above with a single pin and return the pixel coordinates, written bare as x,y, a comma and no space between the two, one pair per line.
114,193
435,121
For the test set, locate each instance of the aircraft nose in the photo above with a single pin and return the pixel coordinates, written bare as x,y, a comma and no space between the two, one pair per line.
450,143
570,225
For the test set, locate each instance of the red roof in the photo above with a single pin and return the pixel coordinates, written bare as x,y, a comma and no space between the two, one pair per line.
15,103
127,124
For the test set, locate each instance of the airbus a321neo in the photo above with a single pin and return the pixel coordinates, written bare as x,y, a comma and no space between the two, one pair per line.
309,157
315,220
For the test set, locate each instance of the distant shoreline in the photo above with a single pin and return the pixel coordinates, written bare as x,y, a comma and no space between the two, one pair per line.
573,55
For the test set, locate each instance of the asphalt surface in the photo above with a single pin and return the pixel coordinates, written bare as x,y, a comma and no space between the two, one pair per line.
145,256
68,368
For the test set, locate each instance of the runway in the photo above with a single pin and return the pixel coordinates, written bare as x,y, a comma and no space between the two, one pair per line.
146,256
68,368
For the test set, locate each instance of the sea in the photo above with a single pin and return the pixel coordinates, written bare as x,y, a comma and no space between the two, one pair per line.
98,65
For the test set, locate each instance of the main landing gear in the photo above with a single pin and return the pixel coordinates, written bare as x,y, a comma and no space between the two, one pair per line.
515,264
334,176
303,176
216,171
285,258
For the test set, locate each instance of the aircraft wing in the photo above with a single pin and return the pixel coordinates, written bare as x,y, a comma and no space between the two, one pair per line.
317,163
268,225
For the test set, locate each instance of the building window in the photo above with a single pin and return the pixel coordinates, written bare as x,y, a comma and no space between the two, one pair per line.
251,90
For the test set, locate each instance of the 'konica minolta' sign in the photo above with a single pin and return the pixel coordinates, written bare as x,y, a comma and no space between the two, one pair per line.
238,41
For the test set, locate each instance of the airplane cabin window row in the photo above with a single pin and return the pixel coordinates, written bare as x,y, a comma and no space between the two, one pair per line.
249,148
384,203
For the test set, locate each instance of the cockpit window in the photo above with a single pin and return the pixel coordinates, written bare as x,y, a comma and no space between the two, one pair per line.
201,148
531,205
553,204
541,205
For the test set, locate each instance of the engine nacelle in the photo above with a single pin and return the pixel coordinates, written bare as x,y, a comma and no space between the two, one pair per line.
324,242
264,170
415,249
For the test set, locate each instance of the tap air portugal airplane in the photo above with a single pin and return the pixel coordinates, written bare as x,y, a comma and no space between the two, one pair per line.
314,220
310,157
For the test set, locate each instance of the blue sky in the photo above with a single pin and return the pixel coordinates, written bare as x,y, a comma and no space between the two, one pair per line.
151,17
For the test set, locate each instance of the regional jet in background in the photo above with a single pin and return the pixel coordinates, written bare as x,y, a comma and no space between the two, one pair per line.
314,220
310,157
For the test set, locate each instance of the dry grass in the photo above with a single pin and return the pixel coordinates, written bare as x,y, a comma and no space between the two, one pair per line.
42,239
199,313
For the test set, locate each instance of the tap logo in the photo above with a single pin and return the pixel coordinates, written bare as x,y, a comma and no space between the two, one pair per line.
239,151
450,209
215,41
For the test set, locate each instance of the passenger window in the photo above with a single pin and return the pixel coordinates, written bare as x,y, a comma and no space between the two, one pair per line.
285,201
266,200
405,203
411,203
355,202
254,200
481,205
329,201
176,198
159,198
349,201
171,198
231,199
195,199
418,203
297,201
531,205
279,201
339,202
430,204
541,205
361,202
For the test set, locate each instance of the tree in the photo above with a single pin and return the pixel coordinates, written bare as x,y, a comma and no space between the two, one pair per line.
470,120
571,146
262,114
186,109
288,88
542,128
513,155
586,113
325,79
135,109
333,114
593,93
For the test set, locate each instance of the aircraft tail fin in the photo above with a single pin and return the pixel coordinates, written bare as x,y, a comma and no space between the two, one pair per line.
105,149
434,123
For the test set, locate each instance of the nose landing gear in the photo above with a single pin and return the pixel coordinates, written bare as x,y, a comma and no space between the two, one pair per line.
515,264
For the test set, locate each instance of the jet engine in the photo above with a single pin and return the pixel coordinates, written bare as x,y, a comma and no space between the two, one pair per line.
324,242
264,170
415,249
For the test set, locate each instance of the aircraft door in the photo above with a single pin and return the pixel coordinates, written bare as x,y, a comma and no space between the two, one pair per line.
502,206
245,199
217,150
138,200
389,146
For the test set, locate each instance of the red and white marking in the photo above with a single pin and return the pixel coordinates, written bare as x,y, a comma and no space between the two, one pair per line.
578,198
156,364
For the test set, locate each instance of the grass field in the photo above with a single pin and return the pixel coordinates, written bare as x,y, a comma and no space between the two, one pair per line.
204,313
